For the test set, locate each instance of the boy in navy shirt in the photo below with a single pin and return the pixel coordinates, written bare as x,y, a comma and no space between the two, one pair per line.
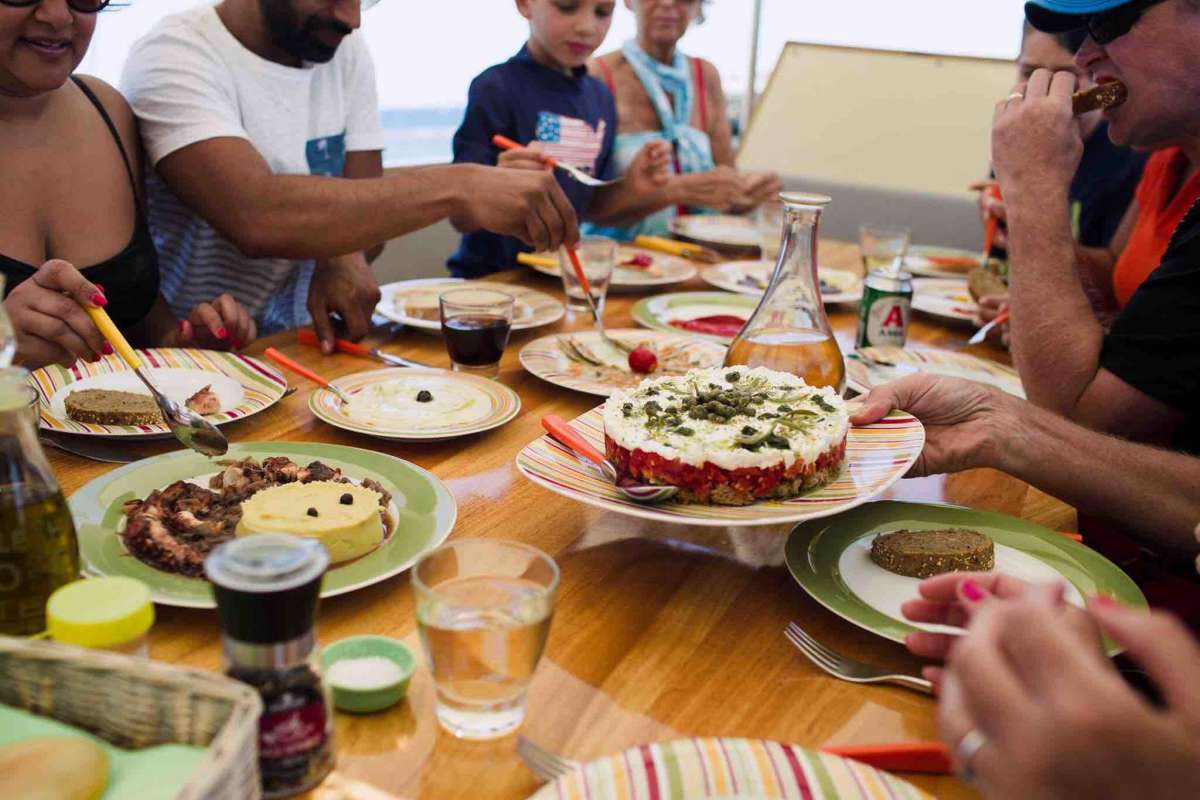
544,96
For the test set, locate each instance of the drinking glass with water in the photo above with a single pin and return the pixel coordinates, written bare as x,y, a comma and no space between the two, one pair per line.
598,257
883,247
483,609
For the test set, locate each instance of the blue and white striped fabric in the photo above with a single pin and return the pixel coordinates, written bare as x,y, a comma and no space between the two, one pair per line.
693,149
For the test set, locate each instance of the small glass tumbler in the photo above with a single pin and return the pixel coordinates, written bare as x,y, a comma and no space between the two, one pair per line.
476,324
770,229
598,257
883,248
483,609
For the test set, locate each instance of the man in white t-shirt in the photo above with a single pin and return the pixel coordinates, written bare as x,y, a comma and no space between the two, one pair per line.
254,114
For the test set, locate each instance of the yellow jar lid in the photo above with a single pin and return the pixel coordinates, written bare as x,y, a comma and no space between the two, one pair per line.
99,612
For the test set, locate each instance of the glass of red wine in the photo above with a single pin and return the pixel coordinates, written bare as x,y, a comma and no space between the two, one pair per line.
476,324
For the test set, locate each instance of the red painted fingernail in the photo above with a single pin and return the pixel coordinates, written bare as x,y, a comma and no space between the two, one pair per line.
107,348
98,286
972,591
98,299
1105,601
237,344
222,333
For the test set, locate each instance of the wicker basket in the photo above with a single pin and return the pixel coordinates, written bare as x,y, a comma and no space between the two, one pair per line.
134,702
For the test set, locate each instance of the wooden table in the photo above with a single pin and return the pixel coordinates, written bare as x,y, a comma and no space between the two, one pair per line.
660,631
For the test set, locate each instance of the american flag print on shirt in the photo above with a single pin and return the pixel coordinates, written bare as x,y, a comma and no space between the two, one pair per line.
571,141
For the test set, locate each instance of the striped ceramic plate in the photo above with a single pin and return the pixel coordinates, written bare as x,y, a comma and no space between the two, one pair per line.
750,277
382,403
876,457
560,358
940,297
872,366
415,302
663,269
244,385
732,769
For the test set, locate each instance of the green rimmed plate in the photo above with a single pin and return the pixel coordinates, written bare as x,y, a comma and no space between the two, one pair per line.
659,311
422,507
244,386
383,404
830,559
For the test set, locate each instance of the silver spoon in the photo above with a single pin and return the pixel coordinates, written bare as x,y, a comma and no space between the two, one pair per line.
564,434
191,429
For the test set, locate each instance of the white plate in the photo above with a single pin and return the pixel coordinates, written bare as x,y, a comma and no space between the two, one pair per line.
750,276
945,298
531,309
723,230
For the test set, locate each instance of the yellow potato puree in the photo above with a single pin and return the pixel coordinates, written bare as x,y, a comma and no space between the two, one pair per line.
316,511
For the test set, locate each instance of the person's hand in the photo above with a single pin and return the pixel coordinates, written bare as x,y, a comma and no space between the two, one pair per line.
953,598
720,188
1059,722
758,188
651,168
345,285
1036,145
528,157
223,324
48,317
963,420
521,203
990,306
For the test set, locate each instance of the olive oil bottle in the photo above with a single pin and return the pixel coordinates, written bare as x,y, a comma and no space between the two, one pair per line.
38,549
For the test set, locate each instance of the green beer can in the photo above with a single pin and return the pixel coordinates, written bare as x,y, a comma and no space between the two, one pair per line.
885,308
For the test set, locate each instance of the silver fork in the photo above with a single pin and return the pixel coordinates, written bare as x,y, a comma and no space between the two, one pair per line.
545,765
848,669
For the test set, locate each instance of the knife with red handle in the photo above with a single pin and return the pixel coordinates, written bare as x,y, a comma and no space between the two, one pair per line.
308,337
929,757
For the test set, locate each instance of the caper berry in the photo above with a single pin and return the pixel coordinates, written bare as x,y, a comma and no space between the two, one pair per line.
778,442
346,499
685,431
423,396
312,512
749,430
733,377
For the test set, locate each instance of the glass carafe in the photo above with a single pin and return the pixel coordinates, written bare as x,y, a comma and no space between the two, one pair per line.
38,550
789,331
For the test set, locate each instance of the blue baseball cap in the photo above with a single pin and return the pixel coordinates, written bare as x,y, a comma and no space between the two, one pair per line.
1060,16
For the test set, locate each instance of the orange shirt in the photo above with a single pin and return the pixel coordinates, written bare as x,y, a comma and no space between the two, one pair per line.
1159,214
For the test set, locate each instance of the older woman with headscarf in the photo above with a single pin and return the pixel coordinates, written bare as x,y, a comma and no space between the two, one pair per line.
663,94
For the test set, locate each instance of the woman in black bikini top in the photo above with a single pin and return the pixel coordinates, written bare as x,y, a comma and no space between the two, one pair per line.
71,149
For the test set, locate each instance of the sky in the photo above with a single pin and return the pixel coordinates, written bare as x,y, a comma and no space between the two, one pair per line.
427,52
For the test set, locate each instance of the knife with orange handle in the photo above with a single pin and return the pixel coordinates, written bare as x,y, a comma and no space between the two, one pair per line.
304,372
307,336
557,427
928,757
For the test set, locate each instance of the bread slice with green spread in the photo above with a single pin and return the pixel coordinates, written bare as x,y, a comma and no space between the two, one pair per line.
111,407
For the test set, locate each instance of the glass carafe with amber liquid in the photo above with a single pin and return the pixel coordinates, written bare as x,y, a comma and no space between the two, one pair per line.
38,550
789,331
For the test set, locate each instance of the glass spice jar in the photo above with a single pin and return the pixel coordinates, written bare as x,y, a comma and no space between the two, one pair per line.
267,588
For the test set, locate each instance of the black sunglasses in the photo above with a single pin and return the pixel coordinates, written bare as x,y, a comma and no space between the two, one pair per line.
78,6
1115,23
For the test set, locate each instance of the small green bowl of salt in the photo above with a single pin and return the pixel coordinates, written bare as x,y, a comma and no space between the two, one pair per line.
367,673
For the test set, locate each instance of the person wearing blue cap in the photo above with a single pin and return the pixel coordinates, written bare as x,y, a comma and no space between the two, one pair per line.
1138,379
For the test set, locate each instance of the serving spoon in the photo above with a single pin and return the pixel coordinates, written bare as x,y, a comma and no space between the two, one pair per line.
564,434
190,428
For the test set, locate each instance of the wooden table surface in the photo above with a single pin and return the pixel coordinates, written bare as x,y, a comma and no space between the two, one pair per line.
660,631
